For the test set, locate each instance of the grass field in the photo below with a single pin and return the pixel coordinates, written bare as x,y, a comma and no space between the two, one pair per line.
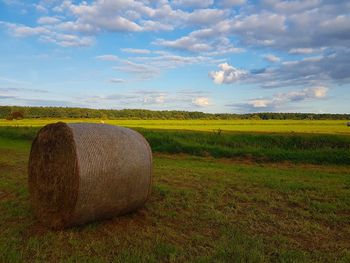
259,147
264,126
266,207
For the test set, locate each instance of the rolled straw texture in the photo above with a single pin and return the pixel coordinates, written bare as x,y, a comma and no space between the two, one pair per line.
83,172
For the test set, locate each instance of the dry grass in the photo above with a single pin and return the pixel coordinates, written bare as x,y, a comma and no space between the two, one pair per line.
201,210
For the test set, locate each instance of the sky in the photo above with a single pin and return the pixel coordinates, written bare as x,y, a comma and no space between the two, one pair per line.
228,56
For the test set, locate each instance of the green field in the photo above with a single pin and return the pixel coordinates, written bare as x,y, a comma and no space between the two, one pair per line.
262,196
264,126
316,148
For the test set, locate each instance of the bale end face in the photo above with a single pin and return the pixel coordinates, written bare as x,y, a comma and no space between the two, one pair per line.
53,175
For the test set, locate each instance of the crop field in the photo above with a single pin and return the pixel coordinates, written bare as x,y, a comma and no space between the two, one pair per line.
262,126
223,191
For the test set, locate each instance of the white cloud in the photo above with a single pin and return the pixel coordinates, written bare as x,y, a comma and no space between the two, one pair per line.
116,24
154,99
70,26
227,74
294,6
325,70
156,26
259,103
136,51
232,3
201,101
301,95
286,25
166,61
185,43
184,99
48,20
115,80
46,34
204,41
144,71
67,40
107,58
259,24
206,16
26,31
193,3
302,50
271,58
121,15
317,92
281,100
149,64
41,8
215,28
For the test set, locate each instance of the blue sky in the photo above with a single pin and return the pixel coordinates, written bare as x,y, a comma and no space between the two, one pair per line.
203,55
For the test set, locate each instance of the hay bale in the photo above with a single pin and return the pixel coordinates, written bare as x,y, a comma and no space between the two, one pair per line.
83,172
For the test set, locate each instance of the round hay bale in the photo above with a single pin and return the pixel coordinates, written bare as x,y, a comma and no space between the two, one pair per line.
84,172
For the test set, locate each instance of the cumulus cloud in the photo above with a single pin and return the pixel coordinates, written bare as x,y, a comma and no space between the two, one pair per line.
154,99
290,7
67,40
317,92
325,70
206,16
320,70
48,20
76,28
259,103
192,3
201,102
41,8
311,24
271,58
123,16
232,3
204,41
258,25
296,26
46,34
92,18
185,43
26,31
281,100
227,74
316,28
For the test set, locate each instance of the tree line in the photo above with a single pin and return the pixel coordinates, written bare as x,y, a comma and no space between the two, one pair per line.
18,112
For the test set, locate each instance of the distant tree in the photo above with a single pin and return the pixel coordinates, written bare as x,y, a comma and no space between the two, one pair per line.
17,112
15,115
254,117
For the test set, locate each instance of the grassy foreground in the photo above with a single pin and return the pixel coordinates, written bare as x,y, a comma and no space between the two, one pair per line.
201,210
261,126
